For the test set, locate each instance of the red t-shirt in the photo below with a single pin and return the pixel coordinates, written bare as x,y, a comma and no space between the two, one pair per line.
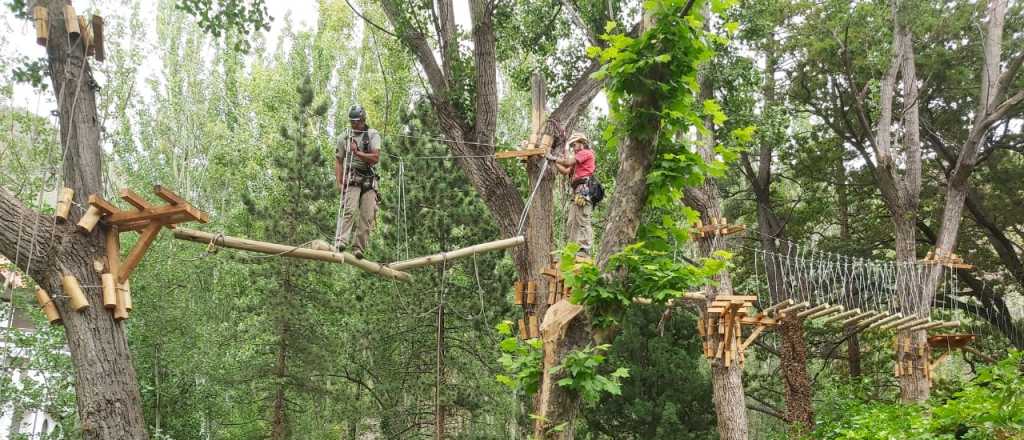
584,164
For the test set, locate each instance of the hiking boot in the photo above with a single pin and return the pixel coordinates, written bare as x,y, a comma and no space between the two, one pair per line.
358,253
339,248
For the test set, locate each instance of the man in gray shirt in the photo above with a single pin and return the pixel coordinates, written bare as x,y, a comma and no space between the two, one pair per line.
355,159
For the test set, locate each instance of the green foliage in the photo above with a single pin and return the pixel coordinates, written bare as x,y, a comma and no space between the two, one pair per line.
991,406
581,374
234,19
666,394
522,360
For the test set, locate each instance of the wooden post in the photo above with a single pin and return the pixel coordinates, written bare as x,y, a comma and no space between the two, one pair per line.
73,290
64,202
121,308
538,99
49,308
71,22
97,38
42,25
109,291
89,220
290,251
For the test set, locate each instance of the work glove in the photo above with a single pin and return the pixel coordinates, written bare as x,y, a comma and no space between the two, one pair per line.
581,200
550,157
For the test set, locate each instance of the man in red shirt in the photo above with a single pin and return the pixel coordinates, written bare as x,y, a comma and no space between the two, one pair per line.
580,166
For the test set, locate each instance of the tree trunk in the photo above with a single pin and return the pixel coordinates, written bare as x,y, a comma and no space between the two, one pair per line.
852,337
279,418
108,401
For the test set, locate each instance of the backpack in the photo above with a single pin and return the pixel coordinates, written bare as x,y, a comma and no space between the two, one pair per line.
595,191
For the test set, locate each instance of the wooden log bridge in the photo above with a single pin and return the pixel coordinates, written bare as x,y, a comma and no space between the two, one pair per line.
290,251
458,253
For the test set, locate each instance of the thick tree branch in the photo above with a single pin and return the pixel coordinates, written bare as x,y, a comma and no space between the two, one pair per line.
25,236
577,20
485,59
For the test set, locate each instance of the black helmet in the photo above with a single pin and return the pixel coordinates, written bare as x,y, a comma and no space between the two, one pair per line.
356,112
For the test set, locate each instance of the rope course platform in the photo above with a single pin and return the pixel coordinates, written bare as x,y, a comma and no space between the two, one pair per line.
721,327
146,218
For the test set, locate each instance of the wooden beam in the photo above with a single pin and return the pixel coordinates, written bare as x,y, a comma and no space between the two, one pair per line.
520,153
290,251
812,310
138,251
840,316
753,336
913,323
134,199
168,195
829,311
162,214
458,253
859,318
882,322
777,306
794,307
897,322
103,205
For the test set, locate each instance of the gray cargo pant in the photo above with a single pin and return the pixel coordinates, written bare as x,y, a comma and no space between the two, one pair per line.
363,205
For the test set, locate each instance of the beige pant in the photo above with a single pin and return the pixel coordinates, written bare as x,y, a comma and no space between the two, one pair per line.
365,206
578,227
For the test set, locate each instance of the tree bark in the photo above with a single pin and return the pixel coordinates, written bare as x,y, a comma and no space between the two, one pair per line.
793,356
108,401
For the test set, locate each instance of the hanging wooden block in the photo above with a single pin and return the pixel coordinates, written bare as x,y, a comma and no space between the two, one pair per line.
121,309
109,291
531,292
89,220
71,22
97,38
519,293
522,330
83,27
64,204
73,290
49,308
42,25
552,291
125,293
534,327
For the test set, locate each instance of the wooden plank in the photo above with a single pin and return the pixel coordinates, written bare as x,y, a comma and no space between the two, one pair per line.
913,323
794,307
716,310
534,327
843,315
168,195
891,318
519,293
520,153
759,320
531,292
138,251
779,305
291,252
812,310
161,214
102,204
458,253
552,272
829,311
746,298
897,322
858,318
134,199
